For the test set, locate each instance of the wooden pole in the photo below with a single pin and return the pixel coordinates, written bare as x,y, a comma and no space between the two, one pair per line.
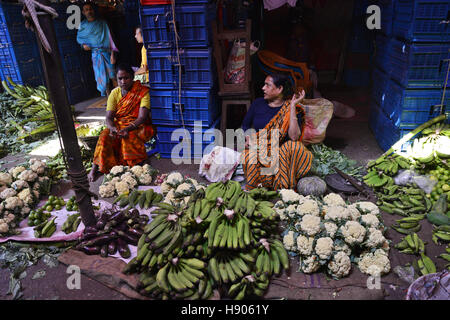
54,78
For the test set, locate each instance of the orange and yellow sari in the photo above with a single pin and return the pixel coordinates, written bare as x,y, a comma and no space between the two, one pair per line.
111,151
291,158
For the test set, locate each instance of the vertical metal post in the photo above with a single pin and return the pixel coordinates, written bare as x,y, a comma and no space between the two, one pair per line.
54,78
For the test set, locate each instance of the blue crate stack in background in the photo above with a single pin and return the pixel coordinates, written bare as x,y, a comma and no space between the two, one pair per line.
176,108
409,72
20,58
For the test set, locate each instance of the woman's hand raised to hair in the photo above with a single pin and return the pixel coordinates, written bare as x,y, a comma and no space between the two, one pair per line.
297,97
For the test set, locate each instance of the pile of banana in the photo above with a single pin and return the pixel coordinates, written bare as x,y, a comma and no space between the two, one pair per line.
403,200
45,229
71,224
409,224
425,264
223,231
381,170
411,244
145,199
251,283
446,256
35,104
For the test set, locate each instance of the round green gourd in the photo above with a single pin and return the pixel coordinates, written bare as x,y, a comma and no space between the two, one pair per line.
313,186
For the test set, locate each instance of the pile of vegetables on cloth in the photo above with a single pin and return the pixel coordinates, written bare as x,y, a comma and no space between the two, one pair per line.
21,187
205,238
123,179
57,166
329,235
415,185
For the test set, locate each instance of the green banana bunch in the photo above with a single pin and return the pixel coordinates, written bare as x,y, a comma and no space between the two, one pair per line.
442,233
251,284
272,256
262,194
426,265
227,267
145,199
71,223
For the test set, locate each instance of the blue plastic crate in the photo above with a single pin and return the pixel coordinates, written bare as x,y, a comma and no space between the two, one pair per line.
420,20
417,65
379,82
412,106
196,105
174,139
382,48
196,68
385,131
193,24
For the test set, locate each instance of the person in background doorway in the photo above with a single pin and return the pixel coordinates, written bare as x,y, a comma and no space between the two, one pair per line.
128,126
141,73
94,35
279,112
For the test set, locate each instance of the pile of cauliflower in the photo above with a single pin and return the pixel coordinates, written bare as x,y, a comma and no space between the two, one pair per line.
123,179
177,188
20,190
329,234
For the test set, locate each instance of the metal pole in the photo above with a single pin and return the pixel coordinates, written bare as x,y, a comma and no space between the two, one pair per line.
54,79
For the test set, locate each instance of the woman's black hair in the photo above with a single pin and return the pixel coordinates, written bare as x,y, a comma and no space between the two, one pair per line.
90,3
125,67
280,79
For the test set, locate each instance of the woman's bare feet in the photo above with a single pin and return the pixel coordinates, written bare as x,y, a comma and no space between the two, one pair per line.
94,174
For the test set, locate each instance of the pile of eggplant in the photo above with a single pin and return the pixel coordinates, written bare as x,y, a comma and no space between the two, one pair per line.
114,231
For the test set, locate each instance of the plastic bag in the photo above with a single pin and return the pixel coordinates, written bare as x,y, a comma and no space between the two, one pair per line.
405,177
433,286
235,69
318,113
219,164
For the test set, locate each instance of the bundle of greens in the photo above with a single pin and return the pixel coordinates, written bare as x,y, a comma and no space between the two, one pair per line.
326,159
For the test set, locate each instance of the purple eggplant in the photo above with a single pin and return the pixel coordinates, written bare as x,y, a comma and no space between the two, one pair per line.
98,241
122,246
128,238
134,232
112,247
90,250
104,251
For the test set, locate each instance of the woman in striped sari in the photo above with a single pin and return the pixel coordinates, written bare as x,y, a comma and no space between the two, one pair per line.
275,157
128,125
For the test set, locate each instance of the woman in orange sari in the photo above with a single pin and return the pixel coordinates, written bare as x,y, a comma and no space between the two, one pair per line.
128,125
275,157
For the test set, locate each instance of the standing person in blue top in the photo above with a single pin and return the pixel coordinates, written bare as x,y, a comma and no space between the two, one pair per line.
94,35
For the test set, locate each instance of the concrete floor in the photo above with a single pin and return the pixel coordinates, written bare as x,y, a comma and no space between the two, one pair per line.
351,136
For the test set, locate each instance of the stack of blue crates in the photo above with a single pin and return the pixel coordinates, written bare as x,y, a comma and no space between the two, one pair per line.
21,61
191,106
19,53
410,70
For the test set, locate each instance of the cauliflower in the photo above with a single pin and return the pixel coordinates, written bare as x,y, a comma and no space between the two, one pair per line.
37,166
165,187
333,199
353,212
367,207
7,193
15,171
174,178
147,168
340,265
128,178
145,179
374,264
305,245
20,185
25,210
28,175
291,210
310,224
137,170
8,218
185,188
170,197
193,181
12,203
375,238
122,187
288,241
5,178
310,264
308,206
336,213
341,246
324,247
289,196
353,232
370,220
116,170
26,196
107,190
280,212
279,204
114,180
331,228
4,228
